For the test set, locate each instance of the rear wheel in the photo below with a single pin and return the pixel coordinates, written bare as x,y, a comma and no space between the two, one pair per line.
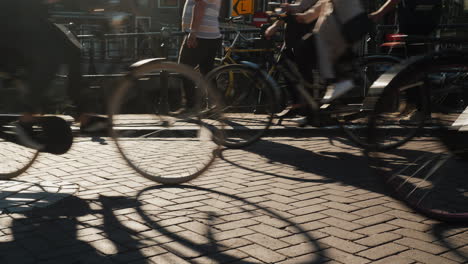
249,103
354,117
14,158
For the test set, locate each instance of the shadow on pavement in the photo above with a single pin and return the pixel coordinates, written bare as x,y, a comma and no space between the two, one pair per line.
79,231
329,164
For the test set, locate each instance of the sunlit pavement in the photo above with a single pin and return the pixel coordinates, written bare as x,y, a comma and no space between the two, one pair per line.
282,200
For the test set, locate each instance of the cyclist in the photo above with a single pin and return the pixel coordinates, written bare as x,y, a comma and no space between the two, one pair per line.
40,47
293,33
339,24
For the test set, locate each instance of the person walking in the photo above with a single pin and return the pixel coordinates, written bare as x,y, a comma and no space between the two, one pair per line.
201,42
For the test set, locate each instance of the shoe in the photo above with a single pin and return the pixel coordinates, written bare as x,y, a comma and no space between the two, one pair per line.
415,118
95,124
337,90
24,134
301,121
291,111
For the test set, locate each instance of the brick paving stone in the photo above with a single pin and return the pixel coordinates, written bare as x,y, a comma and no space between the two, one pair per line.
414,234
233,233
263,254
309,258
426,258
340,214
410,225
340,206
382,251
234,243
271,221
343,257
342,244
421,245
395,260
280,199
375,229
298,250
374,210
236,224
458,255
375,219
267,241
168,258
104,246
378,239
308,218
341,233
346,225
269,230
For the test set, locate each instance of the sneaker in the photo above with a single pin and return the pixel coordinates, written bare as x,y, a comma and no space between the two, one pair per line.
292,111
415,118
301,121
337,90
95,124
24,135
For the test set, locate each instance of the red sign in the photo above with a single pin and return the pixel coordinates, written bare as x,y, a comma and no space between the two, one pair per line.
259,18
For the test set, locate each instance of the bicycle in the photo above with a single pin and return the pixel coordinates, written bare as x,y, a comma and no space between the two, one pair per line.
155,130
253,96
427,173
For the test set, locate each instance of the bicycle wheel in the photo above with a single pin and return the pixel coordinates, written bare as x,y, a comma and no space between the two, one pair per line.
160,142
14,158
353,118
248,97
429,172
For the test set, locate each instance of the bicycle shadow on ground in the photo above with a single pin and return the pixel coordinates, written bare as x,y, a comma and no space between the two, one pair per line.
70,231
78,231
311,162
205,240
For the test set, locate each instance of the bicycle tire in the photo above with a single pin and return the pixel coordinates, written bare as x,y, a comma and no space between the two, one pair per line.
428,173
14,158
147,136
354,122
249,100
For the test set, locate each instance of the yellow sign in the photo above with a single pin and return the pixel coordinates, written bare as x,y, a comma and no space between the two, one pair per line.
242,7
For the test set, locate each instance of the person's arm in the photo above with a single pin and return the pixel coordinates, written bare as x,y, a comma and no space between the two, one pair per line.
197,18
300,7
312,14
271,30
390,5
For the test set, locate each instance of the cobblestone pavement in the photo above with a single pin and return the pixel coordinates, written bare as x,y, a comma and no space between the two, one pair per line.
283,200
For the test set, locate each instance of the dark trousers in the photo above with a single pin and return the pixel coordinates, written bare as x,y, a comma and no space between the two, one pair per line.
203,56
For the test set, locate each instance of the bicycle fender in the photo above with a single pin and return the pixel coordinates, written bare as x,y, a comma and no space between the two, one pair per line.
416,63
146,61
390,78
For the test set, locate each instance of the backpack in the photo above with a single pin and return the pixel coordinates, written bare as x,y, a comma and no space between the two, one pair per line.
419,17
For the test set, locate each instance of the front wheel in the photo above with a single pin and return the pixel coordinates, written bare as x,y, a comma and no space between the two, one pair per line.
159,128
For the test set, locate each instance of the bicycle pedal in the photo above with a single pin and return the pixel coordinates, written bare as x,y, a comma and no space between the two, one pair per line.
324,106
